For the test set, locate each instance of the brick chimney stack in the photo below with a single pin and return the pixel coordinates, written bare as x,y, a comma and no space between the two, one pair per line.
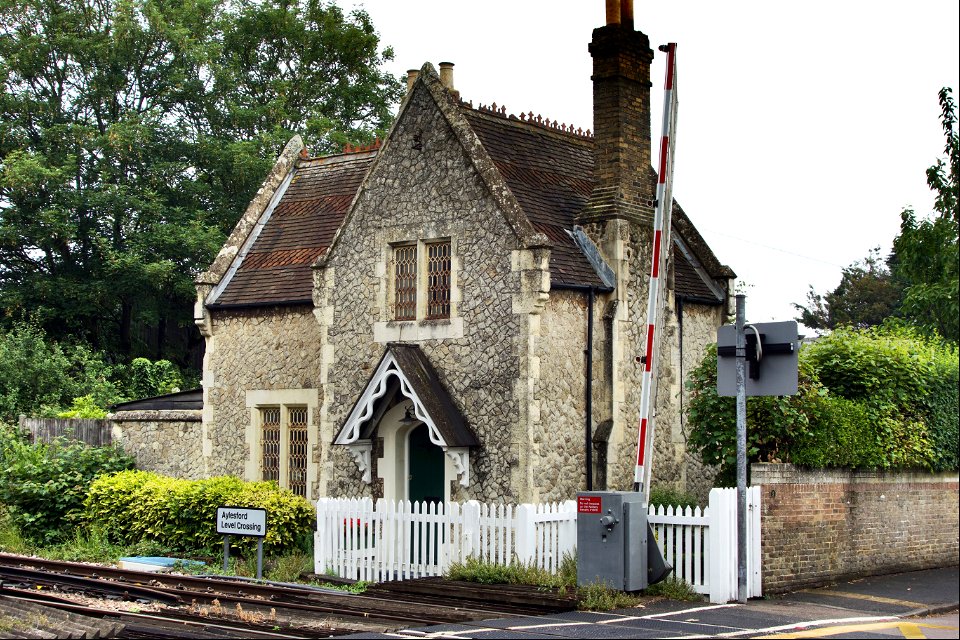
621,120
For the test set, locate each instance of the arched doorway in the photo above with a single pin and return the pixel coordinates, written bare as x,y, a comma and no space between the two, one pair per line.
412,467
425,467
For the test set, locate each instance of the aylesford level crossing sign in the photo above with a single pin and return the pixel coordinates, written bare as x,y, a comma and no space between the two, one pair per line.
242,521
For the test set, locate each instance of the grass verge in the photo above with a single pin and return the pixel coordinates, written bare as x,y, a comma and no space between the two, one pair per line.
592,597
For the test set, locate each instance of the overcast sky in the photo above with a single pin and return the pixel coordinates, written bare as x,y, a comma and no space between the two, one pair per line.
803,129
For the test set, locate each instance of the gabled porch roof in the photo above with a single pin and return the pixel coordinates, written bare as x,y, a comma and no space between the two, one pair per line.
405,369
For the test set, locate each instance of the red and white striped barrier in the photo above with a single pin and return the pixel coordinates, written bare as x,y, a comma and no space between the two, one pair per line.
661,249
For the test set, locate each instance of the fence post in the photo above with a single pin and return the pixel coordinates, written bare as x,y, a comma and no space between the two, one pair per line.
754,557
568,531
471,529
525,536
320,556
723,545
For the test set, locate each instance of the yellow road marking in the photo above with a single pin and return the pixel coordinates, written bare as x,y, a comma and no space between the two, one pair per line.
863,596
907,629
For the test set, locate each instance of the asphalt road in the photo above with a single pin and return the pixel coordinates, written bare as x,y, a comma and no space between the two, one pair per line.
920,604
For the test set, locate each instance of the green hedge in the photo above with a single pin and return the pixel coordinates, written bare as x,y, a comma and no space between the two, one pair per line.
45,485
880,398
180,514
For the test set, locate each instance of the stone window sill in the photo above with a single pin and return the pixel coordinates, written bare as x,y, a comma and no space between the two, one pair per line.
410,331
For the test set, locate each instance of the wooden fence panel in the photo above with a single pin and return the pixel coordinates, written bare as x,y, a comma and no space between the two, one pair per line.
95,433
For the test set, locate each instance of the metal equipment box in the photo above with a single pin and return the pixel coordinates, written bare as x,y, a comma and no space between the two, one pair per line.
612,539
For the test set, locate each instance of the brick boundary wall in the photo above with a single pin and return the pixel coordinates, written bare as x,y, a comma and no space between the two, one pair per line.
826,525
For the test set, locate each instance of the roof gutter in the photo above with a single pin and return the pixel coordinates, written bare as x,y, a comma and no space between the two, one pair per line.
258,305
584,288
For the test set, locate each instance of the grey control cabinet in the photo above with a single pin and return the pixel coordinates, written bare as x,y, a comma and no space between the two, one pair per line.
612,539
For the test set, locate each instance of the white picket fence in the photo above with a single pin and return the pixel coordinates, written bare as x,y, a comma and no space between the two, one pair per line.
702,544
385,540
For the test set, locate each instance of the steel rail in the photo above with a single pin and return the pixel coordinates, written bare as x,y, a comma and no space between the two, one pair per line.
385,611
172,618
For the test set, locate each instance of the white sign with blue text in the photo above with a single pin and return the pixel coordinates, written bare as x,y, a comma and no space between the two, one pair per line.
242,521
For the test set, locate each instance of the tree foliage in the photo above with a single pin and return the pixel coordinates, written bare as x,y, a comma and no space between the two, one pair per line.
39,376
918,284
879,398
927,252
866,296
134,132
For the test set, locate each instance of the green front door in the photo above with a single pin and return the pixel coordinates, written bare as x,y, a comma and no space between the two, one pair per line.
425,459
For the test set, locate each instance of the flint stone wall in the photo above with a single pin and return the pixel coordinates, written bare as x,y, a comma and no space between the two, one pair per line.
558,441
673,465
424,187
258,349
165,442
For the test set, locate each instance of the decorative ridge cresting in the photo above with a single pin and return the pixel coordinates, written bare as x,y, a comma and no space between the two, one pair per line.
351,148
530,118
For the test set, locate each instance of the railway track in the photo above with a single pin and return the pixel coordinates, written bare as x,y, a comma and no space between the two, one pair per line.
200,605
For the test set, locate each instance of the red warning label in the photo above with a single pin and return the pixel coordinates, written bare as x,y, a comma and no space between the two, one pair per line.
589,504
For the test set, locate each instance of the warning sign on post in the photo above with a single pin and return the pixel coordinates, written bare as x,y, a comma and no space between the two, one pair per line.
242,521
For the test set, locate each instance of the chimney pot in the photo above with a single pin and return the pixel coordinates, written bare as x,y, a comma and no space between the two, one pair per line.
446,75
411,78
613,11
626,13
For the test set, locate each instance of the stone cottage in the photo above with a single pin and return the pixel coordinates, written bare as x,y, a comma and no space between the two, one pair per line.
458,312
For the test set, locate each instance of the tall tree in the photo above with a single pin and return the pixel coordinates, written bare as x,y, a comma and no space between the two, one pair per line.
926,252
919,283
866,296
133,132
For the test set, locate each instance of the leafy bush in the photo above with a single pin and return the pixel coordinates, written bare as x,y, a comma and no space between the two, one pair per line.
669,496
133,506
36,373
144,379
84,407
39,376
879,398
45,486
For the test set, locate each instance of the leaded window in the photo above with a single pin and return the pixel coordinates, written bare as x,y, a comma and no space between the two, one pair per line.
438,280
405,282
284,446
422,280
297,470
270,443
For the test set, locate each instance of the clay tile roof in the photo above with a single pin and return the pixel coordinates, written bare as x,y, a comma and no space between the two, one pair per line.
548,169
276,270
550,175
550,172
